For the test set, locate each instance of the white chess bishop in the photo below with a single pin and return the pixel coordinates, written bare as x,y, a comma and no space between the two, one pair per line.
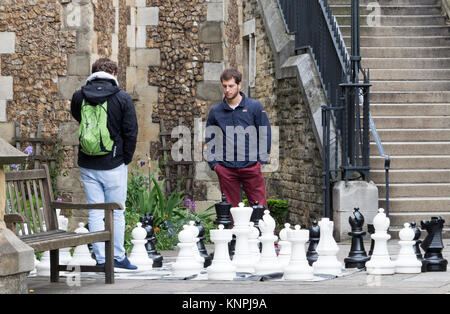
253,243
284,256
298,267
139,256
407,262
221,267
268,263
327,250
186,263
81,254
242,258
380,262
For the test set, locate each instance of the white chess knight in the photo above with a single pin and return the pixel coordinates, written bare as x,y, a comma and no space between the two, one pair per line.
200,259
407,262
242,258
327,250
298,267
64,253
268,263
186,263
139,256
81,254
285,246
253,243
380,262
221,267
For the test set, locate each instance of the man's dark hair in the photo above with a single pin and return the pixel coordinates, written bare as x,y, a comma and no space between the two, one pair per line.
105,65
230,73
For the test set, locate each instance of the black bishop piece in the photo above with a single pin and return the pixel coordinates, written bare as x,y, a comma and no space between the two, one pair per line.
433,246
357,257
150,246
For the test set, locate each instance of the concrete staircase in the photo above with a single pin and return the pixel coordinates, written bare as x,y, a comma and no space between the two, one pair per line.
408,54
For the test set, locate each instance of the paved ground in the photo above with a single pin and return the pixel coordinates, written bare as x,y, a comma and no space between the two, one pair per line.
361,283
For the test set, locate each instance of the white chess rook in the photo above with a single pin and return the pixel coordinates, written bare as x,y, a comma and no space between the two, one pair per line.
139,256
81,254
284,256
268,263
298,267
186,264
242,258
380,262
407,262
221,267
327,250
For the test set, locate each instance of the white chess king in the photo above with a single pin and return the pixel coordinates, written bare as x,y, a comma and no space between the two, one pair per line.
221,267
327,250
380,262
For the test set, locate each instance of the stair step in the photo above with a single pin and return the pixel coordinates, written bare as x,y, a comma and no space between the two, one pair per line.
411,122
394,231
410,109
414,190
398,219
414,135
409,74
394,20
423,30
393,9
411,162
409,97
417,204
410,85
412,176
401,41
388,2
413,148
406,63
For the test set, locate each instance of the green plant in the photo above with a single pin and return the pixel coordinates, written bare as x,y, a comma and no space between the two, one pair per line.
278,210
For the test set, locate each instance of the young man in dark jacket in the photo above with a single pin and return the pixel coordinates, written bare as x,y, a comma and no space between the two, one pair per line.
238,138
105,177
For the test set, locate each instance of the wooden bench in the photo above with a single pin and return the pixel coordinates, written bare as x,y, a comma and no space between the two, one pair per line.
31,214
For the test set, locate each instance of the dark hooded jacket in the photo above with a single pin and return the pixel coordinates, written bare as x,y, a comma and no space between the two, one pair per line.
122,122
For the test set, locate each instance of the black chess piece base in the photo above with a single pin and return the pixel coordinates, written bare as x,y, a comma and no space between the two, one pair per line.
434,263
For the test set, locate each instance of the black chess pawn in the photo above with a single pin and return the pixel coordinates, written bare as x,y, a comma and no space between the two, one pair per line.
314,237
416,246
223,213
147,223
357,257
201,244
433,246
371,230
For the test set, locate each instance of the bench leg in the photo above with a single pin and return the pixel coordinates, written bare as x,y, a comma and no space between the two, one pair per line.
109,262
54,263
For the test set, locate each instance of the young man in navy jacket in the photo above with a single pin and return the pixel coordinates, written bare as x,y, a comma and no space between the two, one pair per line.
238,140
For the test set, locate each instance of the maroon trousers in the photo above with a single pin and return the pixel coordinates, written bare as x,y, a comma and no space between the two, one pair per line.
252,181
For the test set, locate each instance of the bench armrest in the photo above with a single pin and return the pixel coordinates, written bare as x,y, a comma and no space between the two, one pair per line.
104,206
12,219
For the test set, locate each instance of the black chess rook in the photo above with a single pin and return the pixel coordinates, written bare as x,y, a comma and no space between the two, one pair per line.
433,246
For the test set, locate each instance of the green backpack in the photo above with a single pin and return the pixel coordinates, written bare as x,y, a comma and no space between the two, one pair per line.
94,136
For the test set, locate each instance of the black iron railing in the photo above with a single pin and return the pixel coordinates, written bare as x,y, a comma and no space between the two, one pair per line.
348,100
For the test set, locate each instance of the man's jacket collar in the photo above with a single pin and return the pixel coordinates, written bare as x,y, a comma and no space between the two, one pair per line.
241,104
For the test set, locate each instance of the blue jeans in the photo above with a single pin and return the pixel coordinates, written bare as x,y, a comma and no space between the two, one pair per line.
103,186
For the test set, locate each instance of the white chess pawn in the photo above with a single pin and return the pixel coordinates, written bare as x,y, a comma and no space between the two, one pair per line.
268,263
221,267
298,267
327,250
139,256
186,263
407,262
81,254
64,253
253,243
380,262
242,258
284,256
200,259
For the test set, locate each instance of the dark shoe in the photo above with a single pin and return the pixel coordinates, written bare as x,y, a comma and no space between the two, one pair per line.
124,264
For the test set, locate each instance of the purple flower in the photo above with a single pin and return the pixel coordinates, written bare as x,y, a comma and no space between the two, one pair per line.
142,163
190,205
13,166
29,150
59,199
